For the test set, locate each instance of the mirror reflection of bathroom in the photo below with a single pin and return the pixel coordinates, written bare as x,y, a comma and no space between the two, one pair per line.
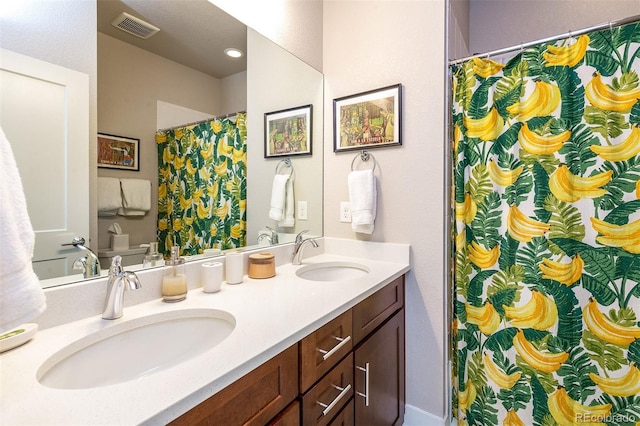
165,82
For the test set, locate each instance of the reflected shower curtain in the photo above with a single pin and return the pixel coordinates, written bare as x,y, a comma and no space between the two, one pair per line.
547,234
202,186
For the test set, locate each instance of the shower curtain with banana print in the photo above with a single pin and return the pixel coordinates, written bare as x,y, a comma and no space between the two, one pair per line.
202,186
547,234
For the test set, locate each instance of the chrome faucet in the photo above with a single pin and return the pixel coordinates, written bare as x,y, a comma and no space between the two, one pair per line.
119,281
296,258
272,236
90,264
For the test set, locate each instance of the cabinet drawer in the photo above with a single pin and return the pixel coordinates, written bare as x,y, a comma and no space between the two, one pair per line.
346,417
323,348
289,417
324,400
253,399
375,309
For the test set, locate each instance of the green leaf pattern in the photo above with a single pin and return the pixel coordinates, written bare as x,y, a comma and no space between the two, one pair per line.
610,270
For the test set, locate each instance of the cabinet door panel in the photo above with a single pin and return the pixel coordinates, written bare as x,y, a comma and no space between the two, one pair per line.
344,417
384,353
254,399
289,417
375,309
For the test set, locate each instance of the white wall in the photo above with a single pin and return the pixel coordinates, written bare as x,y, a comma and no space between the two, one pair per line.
39,28
372,44
496,24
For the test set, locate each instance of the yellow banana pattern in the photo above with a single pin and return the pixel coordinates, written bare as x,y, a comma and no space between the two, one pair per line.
486,67
195,199
499,377
501,176
565,273
605,329
543,100
606,98
625,150
522,228
625,236
540,313
569,55
486,128
568,412
570,188
626,385
536,144
546,362
482,257
551,242
485,317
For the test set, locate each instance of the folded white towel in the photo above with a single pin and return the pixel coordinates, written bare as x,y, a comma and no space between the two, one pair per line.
109,196
136,197
21,296
363,198
289,219
278,197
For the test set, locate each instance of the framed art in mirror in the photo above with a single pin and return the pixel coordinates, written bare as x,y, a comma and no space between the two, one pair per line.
288,132
368,120
118,152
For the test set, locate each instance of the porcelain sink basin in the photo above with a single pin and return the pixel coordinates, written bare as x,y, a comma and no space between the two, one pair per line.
332,271
137,348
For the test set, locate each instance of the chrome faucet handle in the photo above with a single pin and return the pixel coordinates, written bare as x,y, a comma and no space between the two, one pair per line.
274,235
77,241
299,236
116,266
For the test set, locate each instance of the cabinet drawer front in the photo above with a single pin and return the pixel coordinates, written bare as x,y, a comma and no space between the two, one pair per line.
375,309
289,417
329,395
254,399
345,417
323,348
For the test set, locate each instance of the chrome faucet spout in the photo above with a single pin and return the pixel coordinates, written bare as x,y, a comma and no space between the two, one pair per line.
119,281
90,264
271,236
299,244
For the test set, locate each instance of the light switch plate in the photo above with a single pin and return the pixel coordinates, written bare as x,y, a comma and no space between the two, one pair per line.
302,210
345,211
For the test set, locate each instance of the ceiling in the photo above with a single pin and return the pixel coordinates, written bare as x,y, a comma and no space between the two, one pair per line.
194,33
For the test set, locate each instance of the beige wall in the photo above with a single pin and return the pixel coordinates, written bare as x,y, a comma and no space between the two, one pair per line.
372,44
496,24
131,82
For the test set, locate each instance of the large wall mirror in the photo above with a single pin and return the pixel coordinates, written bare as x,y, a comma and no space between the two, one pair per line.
177,77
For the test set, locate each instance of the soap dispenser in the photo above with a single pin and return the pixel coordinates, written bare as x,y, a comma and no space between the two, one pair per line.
153,257
174,281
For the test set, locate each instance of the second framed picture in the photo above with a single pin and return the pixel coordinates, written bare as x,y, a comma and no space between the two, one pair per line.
288,132
368,120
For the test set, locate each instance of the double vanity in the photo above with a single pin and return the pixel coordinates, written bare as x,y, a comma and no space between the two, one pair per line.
311,345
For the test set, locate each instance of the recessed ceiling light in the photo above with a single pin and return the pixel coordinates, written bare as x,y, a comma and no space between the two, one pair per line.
233,53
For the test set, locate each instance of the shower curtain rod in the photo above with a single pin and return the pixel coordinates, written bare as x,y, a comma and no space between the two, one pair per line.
202,121
521,46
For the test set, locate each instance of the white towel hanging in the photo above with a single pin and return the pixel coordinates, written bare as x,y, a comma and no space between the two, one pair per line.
363,199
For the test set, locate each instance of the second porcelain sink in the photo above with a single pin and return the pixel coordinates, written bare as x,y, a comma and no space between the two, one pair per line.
332,271
136,348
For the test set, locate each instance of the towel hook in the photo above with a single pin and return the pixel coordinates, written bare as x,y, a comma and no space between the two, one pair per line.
364,156
287,163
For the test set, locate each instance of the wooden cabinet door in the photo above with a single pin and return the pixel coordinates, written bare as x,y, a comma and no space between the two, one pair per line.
375,309
380,375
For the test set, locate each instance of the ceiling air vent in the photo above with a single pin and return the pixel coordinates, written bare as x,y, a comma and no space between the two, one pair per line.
135,26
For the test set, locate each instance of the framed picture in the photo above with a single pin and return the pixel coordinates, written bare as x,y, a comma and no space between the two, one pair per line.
368,120
118,152
288,132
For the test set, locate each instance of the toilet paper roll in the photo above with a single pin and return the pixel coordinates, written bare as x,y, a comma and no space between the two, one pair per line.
234,268
211,276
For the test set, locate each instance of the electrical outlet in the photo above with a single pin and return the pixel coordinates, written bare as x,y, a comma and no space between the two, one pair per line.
302,210
345,211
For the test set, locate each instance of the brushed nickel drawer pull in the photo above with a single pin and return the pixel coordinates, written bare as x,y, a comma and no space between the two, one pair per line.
365,395
327,354
329,407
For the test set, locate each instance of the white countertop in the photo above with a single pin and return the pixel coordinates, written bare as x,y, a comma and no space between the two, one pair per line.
270,315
